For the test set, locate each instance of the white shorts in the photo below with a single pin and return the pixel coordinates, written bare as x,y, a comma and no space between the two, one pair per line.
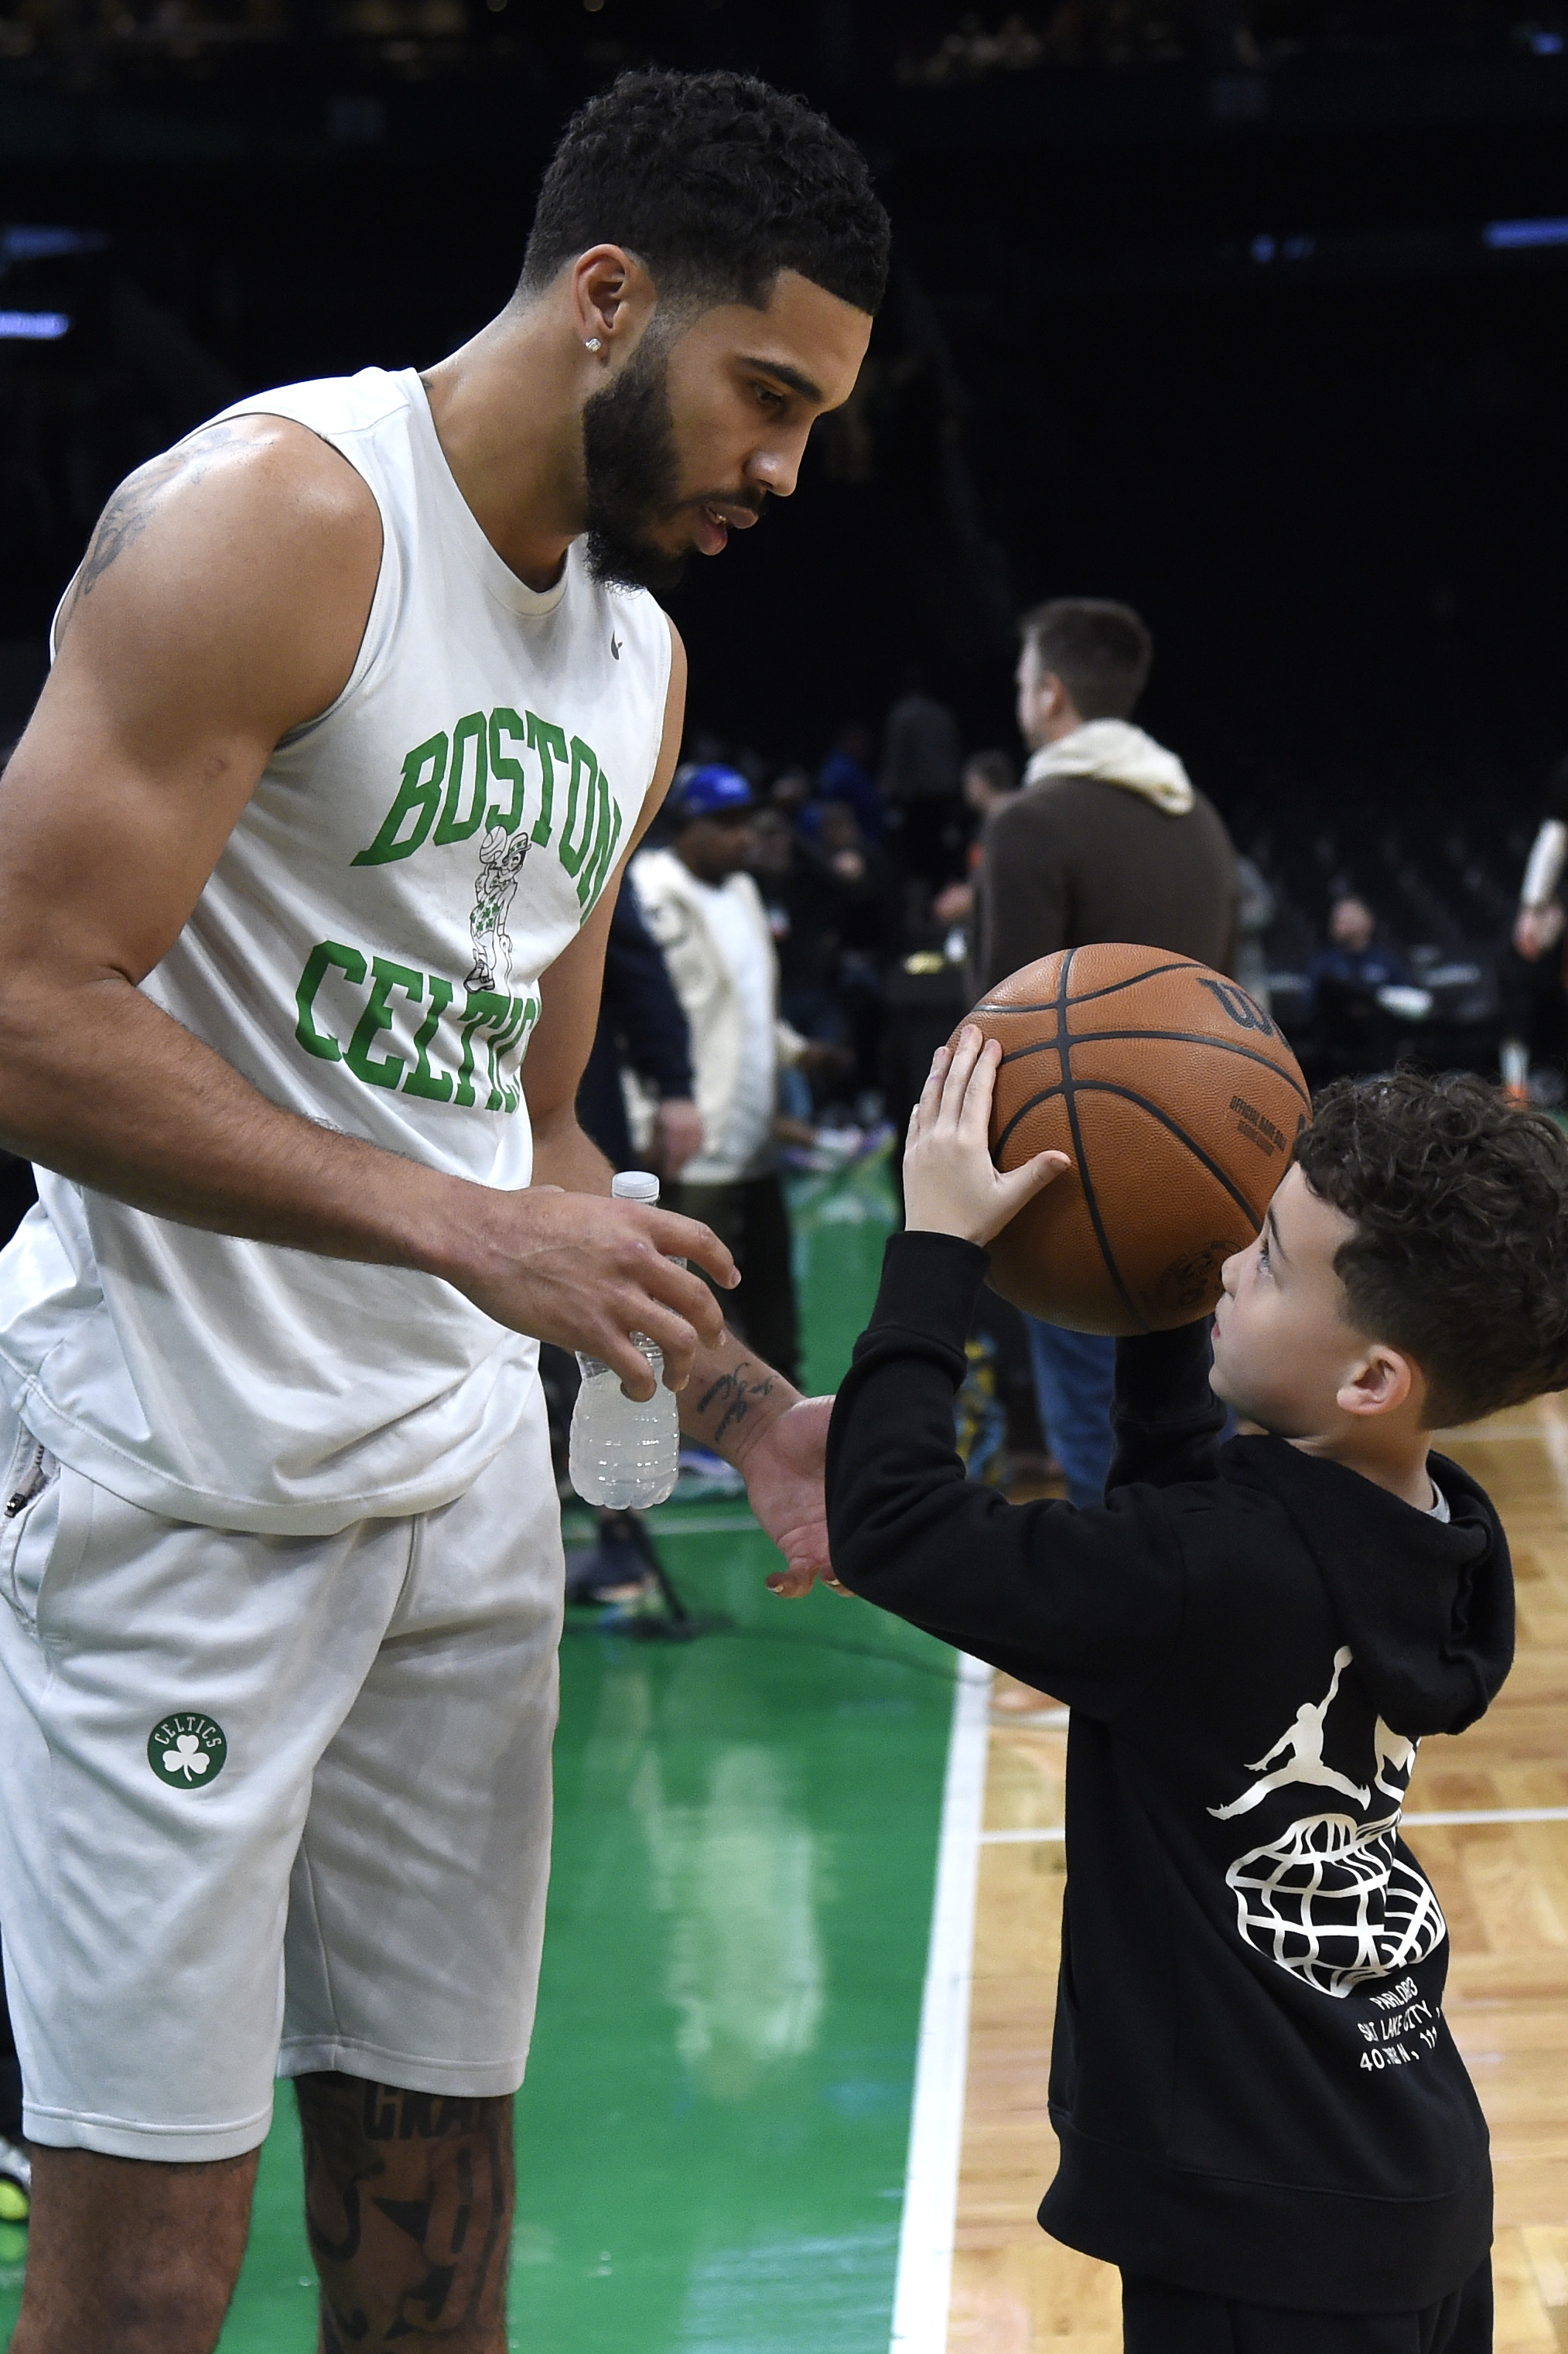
270,1804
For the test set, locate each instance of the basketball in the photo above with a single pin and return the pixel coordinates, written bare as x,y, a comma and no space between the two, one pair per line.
1178,1102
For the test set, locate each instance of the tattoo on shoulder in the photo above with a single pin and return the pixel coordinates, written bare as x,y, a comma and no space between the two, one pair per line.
130,510
731,1397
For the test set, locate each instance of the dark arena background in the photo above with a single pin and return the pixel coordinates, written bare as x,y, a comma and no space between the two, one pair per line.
1252,315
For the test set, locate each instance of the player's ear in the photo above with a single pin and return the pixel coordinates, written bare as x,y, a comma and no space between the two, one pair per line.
1379,1383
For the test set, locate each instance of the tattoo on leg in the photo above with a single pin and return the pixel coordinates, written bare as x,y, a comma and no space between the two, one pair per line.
733,1397
408,2207
330,2342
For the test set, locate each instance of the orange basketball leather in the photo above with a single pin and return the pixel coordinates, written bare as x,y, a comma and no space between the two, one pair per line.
1178,1103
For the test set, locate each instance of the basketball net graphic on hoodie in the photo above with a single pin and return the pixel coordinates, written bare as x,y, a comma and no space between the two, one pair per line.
1329,1899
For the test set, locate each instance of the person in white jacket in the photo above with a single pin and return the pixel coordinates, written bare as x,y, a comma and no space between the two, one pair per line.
707,916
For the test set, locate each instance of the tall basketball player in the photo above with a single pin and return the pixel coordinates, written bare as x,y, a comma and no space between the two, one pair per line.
361,704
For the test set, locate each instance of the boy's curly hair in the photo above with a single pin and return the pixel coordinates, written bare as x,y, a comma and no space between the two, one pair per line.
717,183
1460,1254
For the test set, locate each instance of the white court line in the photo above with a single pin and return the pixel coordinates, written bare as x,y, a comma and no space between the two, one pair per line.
1039,1835
924,2280
1496,1815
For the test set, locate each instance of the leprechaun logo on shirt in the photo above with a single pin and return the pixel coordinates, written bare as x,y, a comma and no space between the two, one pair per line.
187,1750
445,797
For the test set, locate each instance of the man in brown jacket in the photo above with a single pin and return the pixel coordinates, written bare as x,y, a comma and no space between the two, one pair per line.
1108,841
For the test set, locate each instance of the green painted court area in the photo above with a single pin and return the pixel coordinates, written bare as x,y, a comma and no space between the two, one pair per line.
711,2141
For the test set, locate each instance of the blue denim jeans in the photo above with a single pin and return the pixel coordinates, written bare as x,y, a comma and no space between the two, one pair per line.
1074,1374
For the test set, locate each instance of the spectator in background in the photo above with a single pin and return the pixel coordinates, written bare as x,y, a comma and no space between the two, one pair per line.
1108,841
791,791
990,781
846,776
1538,939
922,757
1354,957
830,903
707,916
1351,1031
1539,923
866,925
641,1029
860,871
1254,913
802,910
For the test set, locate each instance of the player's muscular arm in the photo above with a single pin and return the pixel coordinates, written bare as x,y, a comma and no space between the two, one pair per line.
221,604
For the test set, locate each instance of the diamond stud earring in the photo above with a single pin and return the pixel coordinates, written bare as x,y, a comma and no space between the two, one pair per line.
591,344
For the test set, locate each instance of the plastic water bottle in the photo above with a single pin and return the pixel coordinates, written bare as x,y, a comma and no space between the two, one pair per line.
625,1454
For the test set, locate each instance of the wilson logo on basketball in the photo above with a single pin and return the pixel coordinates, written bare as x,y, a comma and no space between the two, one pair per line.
1243,1013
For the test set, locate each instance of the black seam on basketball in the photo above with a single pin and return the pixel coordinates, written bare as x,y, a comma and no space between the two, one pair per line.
1078,1153
1176,1037
1112,1087
1150,972
1050,1005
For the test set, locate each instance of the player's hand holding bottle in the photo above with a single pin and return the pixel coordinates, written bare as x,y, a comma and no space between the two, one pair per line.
951,1185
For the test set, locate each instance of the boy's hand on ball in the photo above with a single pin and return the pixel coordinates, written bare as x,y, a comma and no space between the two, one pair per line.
951,1185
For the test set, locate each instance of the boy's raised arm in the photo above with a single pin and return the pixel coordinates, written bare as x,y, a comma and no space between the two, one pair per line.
1089,1600
1086,1602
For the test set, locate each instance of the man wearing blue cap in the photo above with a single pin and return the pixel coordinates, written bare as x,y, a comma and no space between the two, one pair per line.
707,916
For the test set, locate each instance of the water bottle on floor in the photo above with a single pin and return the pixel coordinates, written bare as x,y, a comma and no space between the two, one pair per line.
625,1454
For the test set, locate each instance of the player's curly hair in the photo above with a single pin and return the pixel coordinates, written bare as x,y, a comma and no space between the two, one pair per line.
1460,1254
717,183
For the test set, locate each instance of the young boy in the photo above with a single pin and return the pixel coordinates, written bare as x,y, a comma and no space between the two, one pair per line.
1263,2119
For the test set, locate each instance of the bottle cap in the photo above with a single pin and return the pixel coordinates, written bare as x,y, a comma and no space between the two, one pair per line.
636,1185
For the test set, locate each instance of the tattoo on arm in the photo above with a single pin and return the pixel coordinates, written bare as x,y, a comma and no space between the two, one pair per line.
408,2209
731,1397
131,509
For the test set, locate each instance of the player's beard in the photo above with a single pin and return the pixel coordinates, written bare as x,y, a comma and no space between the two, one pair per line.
632,471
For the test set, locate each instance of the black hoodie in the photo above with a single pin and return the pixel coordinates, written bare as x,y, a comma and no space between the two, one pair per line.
1255,2091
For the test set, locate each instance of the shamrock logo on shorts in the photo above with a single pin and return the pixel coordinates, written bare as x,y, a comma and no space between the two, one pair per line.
187,1750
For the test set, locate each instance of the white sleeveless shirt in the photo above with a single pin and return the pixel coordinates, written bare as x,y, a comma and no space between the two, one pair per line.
368,952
